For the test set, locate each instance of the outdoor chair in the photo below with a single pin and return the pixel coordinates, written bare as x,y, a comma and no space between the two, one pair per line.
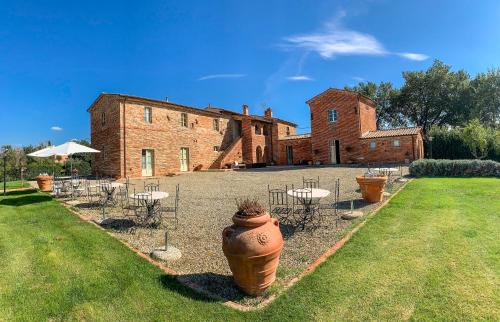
77,188
93,190
279,205
152,186
305,210
57,186
128,203
310,182
174,210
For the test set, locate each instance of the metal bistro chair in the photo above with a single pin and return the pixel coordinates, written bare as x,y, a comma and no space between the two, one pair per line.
334,205
279,205
150,187
175,209
310,182
93,190
122,195
77,188
304,209
57,186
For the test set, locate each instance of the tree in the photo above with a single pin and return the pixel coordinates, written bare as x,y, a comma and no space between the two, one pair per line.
436,96
476,138
383,95
485,89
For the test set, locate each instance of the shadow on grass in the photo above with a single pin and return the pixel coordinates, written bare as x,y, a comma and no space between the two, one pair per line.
19,192
25,200
171,283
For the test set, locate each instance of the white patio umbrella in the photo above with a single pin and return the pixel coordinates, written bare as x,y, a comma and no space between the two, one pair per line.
66,149
40,153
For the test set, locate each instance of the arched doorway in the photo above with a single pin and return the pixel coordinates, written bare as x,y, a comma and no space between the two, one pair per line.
258,154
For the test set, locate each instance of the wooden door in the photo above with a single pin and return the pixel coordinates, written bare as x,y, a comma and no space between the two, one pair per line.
147,163
184,157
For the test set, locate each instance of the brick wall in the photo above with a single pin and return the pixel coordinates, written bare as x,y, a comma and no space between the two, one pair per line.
232,153
279,131
367,116
106,138
346,130
166,136
301,150
386,152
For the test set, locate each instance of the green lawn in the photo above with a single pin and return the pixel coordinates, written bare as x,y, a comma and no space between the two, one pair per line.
14,184
432,253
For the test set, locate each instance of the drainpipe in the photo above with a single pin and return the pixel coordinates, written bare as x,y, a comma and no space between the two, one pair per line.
124,142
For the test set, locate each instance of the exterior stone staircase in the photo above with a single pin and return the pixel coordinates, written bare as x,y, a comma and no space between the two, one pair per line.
232,153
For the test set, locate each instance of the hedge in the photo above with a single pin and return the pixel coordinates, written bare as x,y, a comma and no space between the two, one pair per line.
455,168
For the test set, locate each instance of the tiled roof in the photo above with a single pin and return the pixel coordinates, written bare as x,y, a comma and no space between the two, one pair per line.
391,132
296,136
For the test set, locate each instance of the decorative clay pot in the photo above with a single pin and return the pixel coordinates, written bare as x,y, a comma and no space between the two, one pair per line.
252,246
372,188
44,183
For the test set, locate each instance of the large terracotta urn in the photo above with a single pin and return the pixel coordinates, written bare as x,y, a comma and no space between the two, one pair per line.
44,182
372,187
252,246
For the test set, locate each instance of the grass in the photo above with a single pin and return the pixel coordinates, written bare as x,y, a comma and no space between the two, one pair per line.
14,185
432,253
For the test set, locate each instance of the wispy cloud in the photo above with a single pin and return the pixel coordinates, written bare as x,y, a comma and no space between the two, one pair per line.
214,76
338,42
300,78
359,79
334,40
56,128
413,56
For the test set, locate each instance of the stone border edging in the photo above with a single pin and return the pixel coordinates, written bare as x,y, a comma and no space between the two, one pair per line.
195,287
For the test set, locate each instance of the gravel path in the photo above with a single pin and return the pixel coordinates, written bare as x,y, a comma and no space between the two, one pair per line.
207,203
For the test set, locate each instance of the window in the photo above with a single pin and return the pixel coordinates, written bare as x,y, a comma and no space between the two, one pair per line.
216,124
373,145
265,130
257,130
216,148
287,131
148,116
184,120
332,116
311,116
396,143
103,119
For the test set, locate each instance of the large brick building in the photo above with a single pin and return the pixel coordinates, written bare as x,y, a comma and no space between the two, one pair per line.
145,137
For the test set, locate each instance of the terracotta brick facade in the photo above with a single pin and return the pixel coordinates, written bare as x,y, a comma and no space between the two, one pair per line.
346,139
126,133
126,128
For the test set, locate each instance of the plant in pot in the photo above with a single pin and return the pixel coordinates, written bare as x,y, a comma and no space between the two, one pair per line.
252,246
44,182
372,186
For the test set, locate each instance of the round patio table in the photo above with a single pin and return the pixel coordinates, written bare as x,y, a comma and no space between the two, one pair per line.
151,201
313,193
308,196
386,171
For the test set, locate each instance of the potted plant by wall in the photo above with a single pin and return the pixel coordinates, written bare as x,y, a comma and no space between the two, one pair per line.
372,186
252,246
44,182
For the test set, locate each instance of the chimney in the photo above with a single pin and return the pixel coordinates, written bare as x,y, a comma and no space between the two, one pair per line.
166,98
245,109
268,113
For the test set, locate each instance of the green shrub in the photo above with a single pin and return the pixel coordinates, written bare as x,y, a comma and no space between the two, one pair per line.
449,143
455,168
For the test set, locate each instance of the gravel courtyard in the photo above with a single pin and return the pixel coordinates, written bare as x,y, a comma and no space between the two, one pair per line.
207,202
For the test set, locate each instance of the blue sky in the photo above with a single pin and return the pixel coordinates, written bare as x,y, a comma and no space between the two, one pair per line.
56,57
